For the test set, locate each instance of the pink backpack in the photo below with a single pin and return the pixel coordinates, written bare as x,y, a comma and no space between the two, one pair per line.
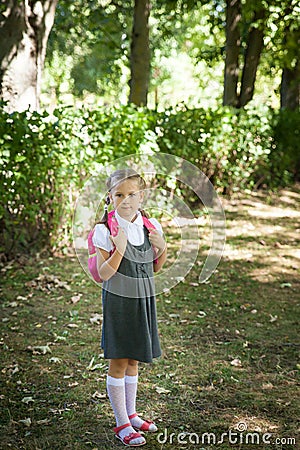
112,225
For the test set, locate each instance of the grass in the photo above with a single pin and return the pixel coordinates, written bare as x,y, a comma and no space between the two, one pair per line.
230,346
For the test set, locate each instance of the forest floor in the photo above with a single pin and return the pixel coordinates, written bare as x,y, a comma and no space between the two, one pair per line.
229,374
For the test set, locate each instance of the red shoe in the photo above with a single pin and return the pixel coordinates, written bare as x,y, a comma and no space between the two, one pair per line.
127,440
145,425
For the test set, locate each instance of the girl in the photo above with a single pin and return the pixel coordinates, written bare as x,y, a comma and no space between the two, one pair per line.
126,264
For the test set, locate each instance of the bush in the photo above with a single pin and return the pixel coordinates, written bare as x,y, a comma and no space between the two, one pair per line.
45,162
230,146
46,159
285,152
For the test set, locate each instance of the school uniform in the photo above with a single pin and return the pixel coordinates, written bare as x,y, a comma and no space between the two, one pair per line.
129,306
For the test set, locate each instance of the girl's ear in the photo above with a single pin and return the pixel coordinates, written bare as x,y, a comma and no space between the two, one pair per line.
141,196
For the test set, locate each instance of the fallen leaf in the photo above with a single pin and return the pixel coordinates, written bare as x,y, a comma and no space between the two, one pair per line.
59,338
13,304
96,319
43,421
55,360
93,367
75,299
99,395
91,363
11,370
40,349
179,279
285,285
273,318
236,362
267,386
174,316
27,400
26,422
72,325
161,390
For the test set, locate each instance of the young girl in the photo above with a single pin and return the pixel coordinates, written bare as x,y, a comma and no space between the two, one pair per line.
125,264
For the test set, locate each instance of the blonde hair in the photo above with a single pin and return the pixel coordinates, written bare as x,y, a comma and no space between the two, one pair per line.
114,179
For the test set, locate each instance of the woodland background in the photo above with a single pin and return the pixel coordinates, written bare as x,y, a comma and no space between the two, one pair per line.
85,82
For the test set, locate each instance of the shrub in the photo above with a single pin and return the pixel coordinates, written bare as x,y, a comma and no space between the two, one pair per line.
46,159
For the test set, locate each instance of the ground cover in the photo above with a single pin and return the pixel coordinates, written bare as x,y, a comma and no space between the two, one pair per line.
230,365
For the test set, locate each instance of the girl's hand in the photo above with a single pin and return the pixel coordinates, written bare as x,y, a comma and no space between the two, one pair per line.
119,241
157,240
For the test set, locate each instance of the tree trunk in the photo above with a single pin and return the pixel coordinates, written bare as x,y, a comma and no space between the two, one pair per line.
290,79
252,57
24,30
233,42
290,88
140,54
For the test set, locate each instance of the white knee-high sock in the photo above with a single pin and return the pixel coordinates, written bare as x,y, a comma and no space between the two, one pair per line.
131,383
116,393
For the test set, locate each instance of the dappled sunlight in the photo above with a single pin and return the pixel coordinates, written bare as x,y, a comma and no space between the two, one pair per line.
253,424
263,231
266,211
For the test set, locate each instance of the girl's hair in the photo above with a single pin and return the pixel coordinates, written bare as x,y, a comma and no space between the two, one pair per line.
113,180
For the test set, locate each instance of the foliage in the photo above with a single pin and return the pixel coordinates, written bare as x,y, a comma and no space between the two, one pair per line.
285,153
94,41
46,159
230,146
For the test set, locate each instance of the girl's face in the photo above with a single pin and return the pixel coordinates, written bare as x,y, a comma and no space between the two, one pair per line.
126,198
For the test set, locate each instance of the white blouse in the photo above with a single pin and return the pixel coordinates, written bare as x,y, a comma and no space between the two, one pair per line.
134,232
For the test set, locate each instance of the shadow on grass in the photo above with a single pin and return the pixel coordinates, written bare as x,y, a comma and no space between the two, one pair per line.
230,349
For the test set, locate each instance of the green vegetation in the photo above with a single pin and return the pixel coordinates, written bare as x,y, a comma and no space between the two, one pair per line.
46,158
230,346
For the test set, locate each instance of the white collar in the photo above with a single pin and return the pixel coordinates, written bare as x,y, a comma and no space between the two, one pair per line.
125,223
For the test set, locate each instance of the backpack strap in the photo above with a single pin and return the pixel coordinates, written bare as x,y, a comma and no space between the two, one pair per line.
149,225
112,223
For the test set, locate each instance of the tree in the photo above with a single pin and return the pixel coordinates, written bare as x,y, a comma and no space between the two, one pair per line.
24,30
290,87
290,79
140,54
232,51
254,34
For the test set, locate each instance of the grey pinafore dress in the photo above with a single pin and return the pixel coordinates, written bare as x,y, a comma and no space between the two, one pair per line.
129,307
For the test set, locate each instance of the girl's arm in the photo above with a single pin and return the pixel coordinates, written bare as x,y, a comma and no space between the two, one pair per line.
108,264
160,244
160,260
